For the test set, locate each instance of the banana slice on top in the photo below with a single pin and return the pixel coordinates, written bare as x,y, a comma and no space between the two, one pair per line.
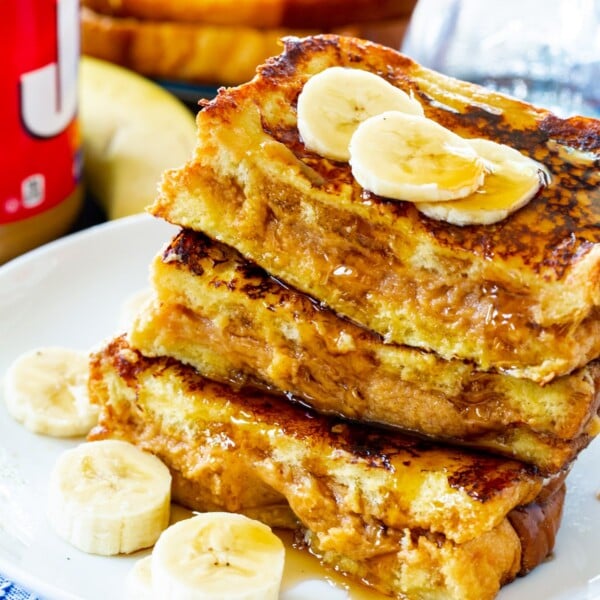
218,556
46,390
335,101
109,497
407,157
512,181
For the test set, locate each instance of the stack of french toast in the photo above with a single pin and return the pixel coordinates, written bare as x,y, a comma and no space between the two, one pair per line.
406,393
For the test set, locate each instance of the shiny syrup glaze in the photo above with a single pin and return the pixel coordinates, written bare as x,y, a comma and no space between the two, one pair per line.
301,566
480,476
379,449
557,228
196,253
536,525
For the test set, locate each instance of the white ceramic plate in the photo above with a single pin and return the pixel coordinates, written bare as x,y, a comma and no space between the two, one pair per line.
71,293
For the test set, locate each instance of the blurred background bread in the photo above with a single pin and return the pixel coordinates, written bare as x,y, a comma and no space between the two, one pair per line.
221,42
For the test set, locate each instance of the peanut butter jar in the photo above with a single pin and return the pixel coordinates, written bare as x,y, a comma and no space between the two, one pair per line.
40,185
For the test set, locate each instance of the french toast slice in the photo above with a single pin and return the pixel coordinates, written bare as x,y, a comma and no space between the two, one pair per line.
520,296
231,321
411,518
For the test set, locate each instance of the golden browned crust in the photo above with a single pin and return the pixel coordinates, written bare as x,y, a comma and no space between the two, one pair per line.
535,525
370,501
521,296
396,479
317,14
231,321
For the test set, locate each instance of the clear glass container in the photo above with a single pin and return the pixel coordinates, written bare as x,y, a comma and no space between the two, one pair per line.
547,53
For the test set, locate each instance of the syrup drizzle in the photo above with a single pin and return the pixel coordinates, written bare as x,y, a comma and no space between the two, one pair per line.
304,577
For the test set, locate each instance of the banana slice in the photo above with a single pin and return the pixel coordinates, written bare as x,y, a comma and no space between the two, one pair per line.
138,585
335,101
46,390
109,497
407,157
513,180
218,556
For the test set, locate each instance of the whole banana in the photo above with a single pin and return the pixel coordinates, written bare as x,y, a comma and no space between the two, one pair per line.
132,130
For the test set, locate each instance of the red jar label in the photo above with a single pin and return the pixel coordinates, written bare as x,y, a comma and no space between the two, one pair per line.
41,162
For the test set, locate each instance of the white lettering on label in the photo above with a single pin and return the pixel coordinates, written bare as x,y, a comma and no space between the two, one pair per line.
49,94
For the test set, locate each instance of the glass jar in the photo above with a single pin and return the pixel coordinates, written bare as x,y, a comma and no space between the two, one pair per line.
547,53
40,185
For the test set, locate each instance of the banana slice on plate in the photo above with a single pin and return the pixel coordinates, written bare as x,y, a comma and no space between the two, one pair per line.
138,585
218,556
109,497
407,157
512,181
46,390
335,101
